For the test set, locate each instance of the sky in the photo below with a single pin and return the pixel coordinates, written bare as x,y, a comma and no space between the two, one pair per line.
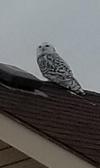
72,26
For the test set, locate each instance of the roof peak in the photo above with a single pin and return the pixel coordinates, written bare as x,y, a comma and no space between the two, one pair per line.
17,78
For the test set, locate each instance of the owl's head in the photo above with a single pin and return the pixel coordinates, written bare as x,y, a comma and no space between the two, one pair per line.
45,48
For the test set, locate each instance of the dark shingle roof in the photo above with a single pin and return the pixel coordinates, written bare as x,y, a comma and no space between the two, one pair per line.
68,120
18,78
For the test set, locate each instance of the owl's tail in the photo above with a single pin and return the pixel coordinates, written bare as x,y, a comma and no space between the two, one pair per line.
76,89
73,85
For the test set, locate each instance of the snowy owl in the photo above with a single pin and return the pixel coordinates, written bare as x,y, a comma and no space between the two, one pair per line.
55,69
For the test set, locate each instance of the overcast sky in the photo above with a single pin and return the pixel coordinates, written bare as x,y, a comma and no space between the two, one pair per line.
72,26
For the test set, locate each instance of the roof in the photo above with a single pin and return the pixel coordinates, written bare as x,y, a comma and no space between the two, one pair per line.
71,121
18,78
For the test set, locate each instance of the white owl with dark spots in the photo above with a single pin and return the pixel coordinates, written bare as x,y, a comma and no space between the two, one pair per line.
55,69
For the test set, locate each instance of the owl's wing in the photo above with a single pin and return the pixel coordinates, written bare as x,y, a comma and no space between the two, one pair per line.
58,66
61,73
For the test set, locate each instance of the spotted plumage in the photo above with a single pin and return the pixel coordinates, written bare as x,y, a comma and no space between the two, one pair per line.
55,69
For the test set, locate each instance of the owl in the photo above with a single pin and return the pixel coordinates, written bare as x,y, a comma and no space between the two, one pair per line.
55,69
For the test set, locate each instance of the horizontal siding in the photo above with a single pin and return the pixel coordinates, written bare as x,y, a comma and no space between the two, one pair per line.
10,155
12,158
30,163
3,145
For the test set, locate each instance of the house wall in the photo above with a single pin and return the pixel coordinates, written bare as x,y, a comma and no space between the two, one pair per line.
12,158
37,147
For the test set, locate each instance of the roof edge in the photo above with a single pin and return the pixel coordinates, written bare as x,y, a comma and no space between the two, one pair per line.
37,147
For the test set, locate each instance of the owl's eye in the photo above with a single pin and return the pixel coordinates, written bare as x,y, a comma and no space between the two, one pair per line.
40,46
47,45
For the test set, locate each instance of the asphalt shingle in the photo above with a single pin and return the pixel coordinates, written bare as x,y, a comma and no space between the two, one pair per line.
68,120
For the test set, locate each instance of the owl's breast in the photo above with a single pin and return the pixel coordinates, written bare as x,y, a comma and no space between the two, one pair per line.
42,63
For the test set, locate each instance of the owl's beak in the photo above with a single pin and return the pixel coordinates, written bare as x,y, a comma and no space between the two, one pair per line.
43,49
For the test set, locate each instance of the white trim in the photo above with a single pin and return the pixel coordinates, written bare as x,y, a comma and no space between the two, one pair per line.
38,147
